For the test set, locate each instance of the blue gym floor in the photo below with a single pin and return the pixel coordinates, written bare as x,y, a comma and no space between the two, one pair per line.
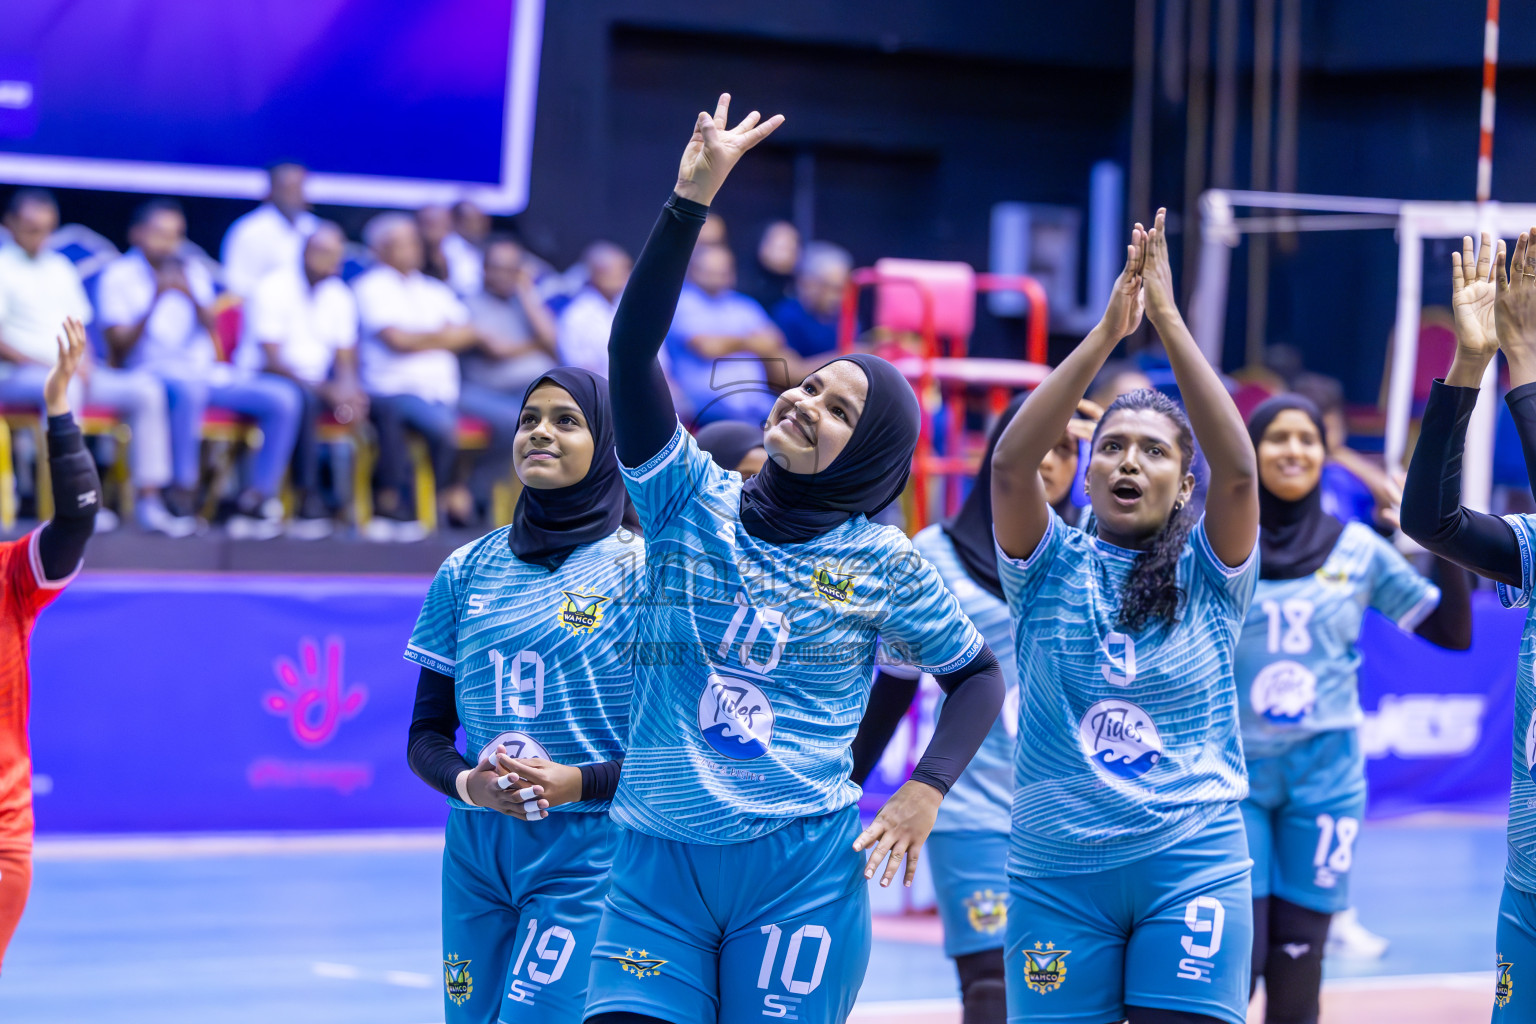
163,934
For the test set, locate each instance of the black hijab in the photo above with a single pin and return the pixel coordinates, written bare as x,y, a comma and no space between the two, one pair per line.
729,441
970,531
1295,537
791,508
549,524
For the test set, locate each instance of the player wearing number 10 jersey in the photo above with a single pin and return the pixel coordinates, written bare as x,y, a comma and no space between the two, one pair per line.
736,887
524,640
1296,688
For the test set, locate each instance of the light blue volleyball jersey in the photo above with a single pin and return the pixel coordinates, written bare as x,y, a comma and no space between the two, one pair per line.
539,659
1127,744
1296,659
754,660
980,799
1520,871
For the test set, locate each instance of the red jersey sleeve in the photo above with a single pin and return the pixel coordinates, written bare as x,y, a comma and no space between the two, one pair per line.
31,590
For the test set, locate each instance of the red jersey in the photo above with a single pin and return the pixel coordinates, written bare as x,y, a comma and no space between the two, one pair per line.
24,591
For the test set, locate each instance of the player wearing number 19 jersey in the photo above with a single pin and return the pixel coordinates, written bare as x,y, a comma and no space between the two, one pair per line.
736,891
530,630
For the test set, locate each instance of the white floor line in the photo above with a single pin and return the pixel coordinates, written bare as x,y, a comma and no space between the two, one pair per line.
230,844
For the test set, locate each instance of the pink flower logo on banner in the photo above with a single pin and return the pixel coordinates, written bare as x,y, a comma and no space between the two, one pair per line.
314,703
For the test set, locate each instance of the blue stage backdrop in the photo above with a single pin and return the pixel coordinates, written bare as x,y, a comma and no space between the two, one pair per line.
170,703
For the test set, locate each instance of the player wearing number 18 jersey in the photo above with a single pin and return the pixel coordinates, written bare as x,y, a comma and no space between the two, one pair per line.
524,640
736,887
1296,687
1129,888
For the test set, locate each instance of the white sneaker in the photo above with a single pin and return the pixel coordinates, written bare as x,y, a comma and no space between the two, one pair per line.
264,526
409,531
379,530
1347,937
307,528
107,520
154,517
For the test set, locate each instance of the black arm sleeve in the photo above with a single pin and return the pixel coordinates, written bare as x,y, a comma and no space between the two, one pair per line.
430,749
76,497
601,780
1432,512
1450,624
972,698
643,415
889,698
1522,405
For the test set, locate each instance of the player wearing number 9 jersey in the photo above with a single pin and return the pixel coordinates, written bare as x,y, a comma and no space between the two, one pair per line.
1296,688
525,640
1128,872
736,888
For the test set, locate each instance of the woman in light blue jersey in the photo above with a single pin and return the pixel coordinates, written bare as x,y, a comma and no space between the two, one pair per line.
1494,309
1296,685
1128,867
738,888
525,642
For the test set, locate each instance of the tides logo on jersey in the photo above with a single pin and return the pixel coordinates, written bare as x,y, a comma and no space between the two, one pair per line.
457,980
581,613
836,587
1045,967
518,745
987,911
1284,692
735,717
1119,737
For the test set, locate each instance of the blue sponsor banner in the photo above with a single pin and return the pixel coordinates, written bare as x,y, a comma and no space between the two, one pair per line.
1438,724
226,702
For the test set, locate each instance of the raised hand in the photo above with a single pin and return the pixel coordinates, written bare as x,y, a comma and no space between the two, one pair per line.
71,355
1473,291
1515,310
1126,299
1157,273
714,150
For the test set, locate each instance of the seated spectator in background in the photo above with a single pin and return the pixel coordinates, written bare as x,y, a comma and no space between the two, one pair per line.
271,235
584,325
435,223
809,317
302,326
517,346
412,330
737,447
778,254
464,246
38,290
713,231
1354,488
157,314
727,357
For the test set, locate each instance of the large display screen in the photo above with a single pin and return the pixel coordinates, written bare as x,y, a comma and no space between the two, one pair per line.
388,102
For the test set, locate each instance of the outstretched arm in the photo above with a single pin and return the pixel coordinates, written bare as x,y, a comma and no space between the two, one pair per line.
1232,500
1432,513
1020,513
76,486
642,403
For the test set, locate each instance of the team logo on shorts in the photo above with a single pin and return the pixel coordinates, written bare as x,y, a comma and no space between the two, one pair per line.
735,717
518,744
1120,738
581,613
1504,987
1045,967
1284,692
836,587
456,977
641,966
987,911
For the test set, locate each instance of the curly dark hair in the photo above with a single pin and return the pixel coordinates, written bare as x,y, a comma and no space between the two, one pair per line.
1151,592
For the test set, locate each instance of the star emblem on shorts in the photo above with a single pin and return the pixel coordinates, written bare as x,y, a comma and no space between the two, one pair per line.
641,966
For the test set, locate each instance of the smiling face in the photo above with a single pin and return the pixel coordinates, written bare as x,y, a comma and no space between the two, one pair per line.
553,446
1136,474
1058,468
811,424
1291,455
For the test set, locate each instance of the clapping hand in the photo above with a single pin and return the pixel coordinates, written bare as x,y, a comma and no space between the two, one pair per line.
1515,307
71,357
714,150
1157,273
1473,290
1127,299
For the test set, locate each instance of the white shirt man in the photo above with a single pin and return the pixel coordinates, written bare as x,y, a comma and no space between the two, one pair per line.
583,330
36,294
308,325
410,302
259,243
174,343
